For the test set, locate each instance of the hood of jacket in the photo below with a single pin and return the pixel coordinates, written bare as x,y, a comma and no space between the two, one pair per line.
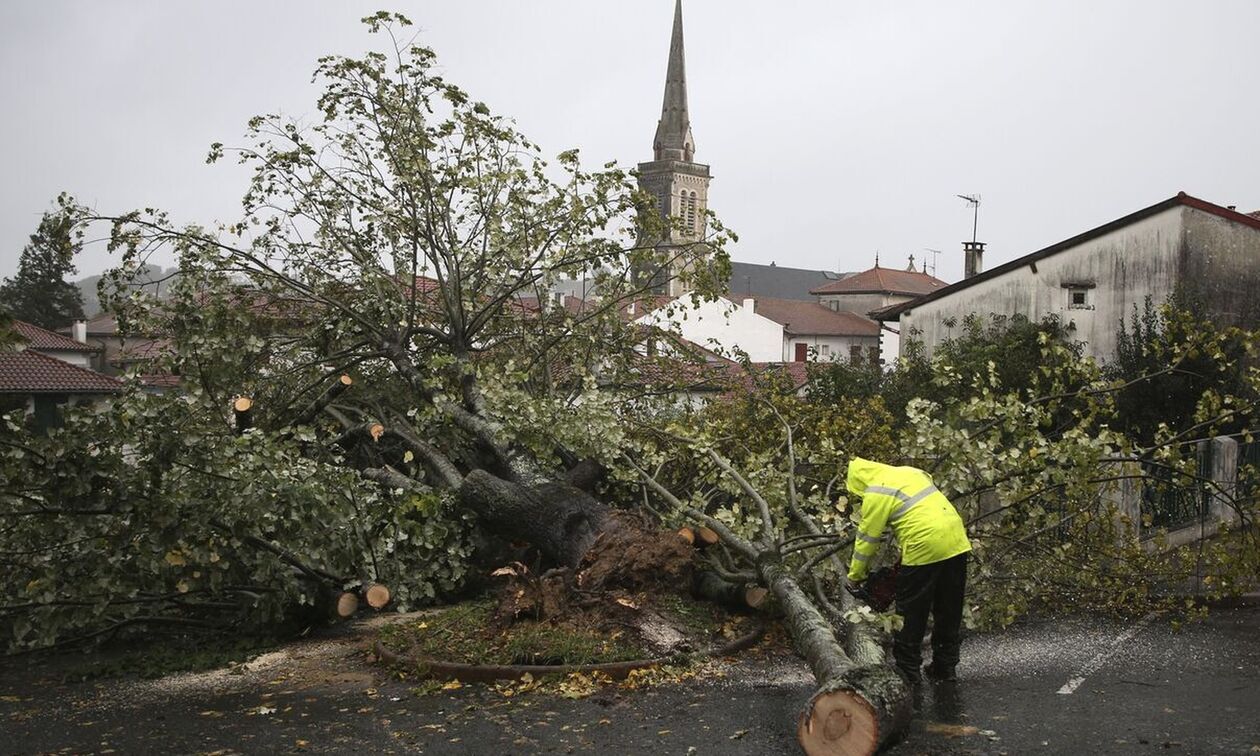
864,472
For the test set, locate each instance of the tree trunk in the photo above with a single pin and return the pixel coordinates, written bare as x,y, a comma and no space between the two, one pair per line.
560,519
859,705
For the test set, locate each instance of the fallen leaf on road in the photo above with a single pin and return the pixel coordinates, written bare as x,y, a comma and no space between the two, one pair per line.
453,685
738,734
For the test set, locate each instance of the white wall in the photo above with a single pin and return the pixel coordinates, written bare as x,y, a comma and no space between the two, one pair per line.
1124,267
722,323
837,347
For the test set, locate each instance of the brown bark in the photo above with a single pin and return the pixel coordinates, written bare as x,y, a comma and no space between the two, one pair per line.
560,520
338,387
860,705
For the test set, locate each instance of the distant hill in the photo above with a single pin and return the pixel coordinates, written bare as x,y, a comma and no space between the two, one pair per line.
153,274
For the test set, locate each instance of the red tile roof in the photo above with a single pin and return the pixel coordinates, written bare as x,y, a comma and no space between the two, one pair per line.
574,305
29,372
797,373
644,305
160,380
144,350
879,280
46,341
812,319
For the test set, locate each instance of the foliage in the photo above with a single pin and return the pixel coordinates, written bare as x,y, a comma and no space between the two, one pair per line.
1035,460
406,240
1170,357
749,431
150,513
1010,346
39,292
1039,472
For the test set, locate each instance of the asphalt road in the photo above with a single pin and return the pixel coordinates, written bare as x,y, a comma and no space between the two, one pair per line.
1078,686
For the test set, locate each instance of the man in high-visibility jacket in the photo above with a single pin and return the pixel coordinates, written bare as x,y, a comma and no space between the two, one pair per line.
934,548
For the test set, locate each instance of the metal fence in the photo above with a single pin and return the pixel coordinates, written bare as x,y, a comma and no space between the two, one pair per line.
1171,500
1248,470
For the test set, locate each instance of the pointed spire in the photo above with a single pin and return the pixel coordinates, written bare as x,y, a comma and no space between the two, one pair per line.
673,133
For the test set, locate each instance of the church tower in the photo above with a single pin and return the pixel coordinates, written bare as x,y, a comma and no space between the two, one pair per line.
679,184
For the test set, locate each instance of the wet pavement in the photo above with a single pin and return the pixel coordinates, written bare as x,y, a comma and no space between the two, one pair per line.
1076,686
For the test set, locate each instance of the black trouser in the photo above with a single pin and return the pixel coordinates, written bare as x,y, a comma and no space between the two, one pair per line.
937,588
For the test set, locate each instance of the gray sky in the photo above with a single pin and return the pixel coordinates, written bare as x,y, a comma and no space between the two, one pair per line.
834,128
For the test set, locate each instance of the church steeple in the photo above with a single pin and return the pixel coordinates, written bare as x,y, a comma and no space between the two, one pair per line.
673,134
678,183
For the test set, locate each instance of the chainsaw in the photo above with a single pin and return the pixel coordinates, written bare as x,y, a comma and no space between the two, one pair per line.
879,590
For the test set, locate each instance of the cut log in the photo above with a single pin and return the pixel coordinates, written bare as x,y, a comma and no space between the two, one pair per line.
377,596
241,408
687,534
719,590
859,707
347,604
376,430
755,597
706,536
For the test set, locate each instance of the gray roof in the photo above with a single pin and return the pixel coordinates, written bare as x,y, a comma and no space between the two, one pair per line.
778,281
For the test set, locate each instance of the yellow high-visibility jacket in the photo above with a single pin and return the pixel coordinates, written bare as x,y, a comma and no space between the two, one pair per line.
926,525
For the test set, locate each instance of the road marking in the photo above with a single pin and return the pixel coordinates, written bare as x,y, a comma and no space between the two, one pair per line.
1098,661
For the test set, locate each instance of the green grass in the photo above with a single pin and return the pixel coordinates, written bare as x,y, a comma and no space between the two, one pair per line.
464,633
701,619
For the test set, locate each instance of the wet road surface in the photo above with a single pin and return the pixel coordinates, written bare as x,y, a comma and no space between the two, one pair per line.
1074,686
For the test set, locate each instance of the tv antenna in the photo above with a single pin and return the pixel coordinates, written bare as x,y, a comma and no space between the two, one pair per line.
974,201
935,254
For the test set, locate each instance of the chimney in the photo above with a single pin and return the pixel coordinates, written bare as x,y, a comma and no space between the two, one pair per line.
79,331
750,304
973,258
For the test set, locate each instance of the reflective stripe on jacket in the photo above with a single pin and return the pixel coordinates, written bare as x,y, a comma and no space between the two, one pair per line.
926,525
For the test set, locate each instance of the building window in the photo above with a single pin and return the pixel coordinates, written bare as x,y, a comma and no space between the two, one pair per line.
1078,298
825,350
855,354
873,354
689,204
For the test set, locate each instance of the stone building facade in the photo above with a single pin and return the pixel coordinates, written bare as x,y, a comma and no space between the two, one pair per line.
1094,280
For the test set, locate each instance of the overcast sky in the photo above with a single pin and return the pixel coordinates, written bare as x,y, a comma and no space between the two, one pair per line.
835,129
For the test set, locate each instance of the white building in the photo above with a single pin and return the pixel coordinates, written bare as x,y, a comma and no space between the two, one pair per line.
769,330
1093,281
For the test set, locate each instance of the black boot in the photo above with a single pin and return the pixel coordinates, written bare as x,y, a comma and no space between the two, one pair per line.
940,674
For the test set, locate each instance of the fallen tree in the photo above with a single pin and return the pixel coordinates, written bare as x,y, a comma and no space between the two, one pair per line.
378,386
